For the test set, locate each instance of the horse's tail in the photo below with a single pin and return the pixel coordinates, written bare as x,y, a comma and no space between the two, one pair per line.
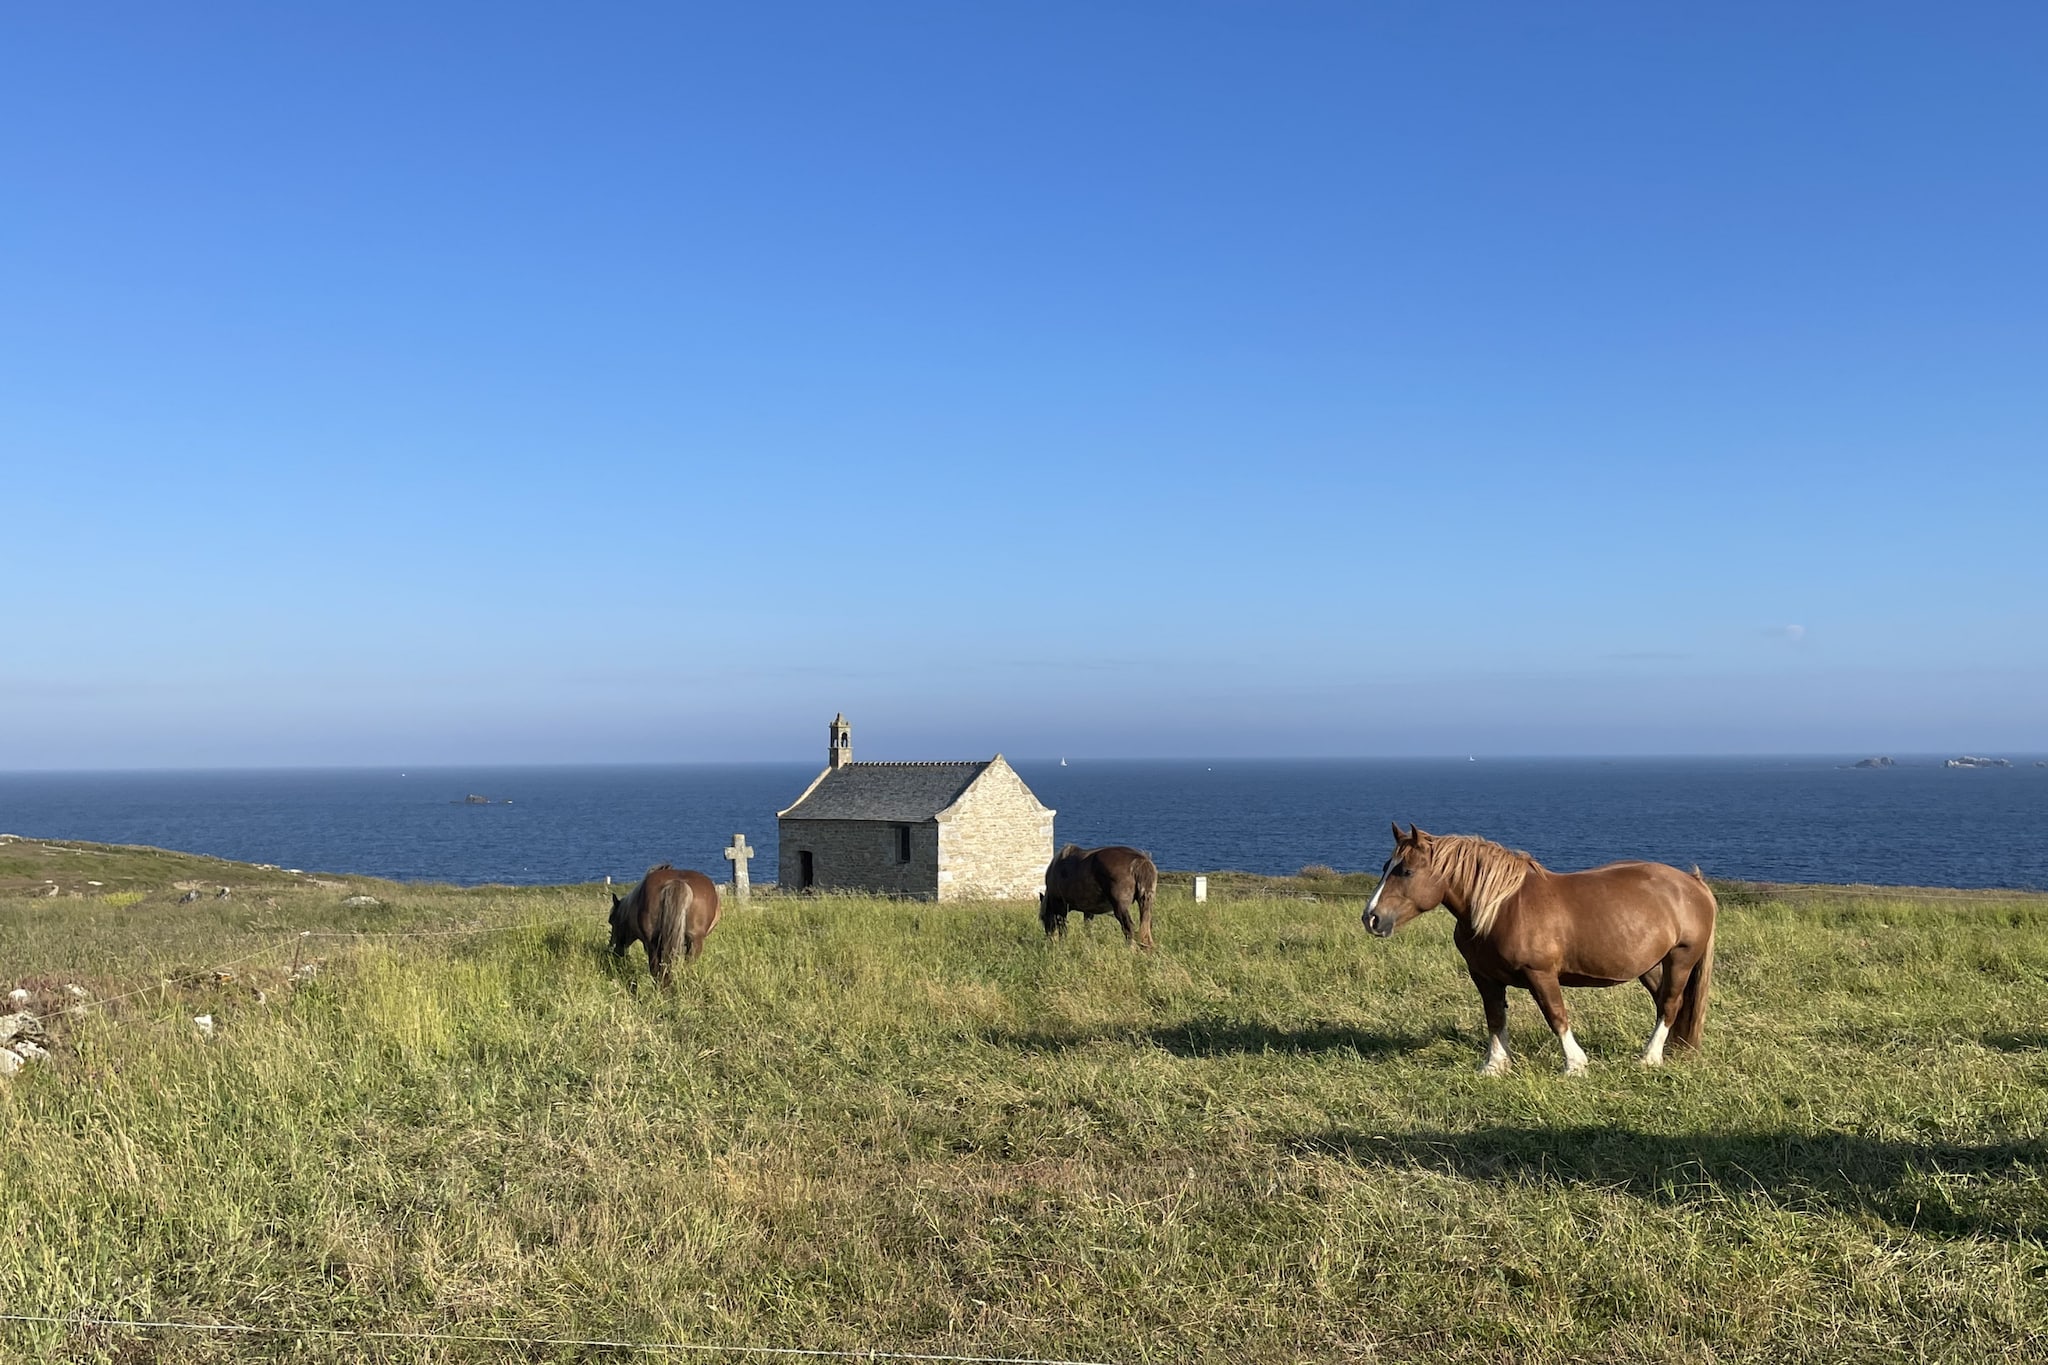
671,925
1692,1010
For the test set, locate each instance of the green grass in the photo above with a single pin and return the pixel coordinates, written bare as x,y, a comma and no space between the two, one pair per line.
861,1123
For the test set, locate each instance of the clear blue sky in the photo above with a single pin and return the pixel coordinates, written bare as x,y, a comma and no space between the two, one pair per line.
502,383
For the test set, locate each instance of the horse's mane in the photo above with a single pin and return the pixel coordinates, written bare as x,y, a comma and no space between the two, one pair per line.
1488,873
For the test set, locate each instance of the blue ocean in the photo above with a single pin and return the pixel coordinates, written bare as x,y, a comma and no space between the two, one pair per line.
1768,819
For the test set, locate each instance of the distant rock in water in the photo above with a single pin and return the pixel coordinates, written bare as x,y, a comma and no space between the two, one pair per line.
1972,761
476,800
1878,762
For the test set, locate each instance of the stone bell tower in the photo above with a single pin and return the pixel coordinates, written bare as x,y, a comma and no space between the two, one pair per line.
841,752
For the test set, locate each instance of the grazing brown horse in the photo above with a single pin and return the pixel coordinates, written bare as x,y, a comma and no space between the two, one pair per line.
666,911
1520,924
1100,881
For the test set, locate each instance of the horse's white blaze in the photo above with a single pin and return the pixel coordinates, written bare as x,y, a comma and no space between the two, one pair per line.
1574,1055
1377,891
1653,1051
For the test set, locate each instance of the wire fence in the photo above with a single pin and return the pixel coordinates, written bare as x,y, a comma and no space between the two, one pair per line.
80,1007
509,1339
1726,890
445,933
1745,891
163,983
1824,891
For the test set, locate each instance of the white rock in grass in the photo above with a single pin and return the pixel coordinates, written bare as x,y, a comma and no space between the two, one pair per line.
27,1051
204,1023
14,1026
10,1061
77,992
362,900
18,998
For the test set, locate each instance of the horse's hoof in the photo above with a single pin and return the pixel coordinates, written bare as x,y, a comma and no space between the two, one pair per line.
1494,1068
1575,1068
1648,1059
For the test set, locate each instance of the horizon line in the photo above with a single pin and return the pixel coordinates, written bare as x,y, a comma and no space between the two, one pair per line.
1935,755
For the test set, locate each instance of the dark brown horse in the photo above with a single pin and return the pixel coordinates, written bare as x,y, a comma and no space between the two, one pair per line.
1520,924
1100,881
668,910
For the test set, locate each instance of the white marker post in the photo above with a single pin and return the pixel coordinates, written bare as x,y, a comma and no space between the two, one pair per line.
1201,890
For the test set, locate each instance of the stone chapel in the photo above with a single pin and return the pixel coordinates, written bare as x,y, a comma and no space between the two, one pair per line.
933,831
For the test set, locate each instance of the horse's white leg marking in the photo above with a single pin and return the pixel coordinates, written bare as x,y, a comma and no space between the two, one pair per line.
1496,1062
1653,1051
1574,1055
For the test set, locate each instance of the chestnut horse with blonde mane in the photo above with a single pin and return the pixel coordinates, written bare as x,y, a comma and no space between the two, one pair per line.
668,911
1520,924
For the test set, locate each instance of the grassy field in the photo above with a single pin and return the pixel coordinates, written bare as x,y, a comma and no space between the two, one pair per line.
861,1124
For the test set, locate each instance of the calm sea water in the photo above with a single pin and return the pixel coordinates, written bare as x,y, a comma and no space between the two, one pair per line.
1765,819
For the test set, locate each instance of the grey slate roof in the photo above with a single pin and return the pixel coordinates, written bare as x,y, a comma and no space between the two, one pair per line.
903,793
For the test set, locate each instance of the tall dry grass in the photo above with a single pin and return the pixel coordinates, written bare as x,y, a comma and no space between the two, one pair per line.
869,1124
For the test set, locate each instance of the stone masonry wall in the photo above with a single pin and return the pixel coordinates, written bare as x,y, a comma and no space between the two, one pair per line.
995,841
859,855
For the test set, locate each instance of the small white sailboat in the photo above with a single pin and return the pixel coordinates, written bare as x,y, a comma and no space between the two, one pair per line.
1063,763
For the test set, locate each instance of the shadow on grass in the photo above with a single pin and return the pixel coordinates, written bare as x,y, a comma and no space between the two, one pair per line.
1938,1188
2036,1041
565,945
1229,1038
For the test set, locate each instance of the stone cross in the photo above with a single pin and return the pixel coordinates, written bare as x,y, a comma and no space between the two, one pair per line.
738,855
